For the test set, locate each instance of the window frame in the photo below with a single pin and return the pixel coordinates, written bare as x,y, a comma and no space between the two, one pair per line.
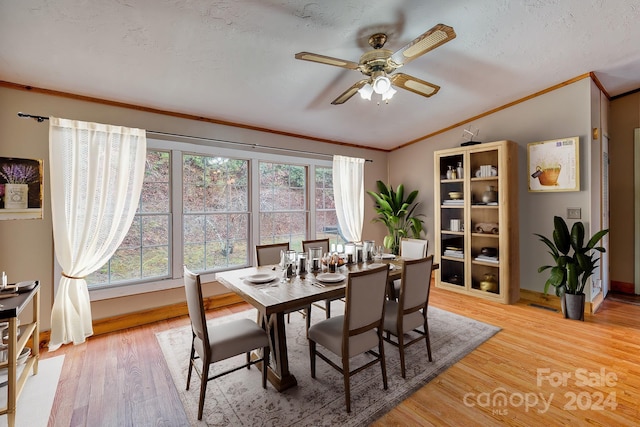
177,146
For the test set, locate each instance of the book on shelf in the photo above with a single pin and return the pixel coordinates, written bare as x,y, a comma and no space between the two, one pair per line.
453,202
485,258
453,253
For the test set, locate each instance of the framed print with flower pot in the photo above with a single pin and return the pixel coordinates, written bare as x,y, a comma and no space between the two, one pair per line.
20,188
554,165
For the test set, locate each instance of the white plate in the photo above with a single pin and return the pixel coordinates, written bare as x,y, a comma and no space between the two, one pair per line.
375,265
330,277
261,278
379,264
388,256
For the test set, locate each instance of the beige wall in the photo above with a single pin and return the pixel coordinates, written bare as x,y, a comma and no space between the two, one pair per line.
625,117
564,112
27,249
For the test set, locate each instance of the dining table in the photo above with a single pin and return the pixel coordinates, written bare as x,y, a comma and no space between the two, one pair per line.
274,295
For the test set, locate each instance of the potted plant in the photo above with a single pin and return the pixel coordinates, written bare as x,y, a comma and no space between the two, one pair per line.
575,262
397,214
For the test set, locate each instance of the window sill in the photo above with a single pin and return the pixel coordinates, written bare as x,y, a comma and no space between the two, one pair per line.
142,288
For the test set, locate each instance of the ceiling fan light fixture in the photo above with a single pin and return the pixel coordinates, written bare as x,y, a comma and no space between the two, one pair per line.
366,91
381,84
388,94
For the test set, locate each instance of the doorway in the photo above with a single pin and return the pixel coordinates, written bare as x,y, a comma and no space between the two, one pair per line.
636,198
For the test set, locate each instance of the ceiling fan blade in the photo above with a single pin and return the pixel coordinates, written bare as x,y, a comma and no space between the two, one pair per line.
414,84
314,57
347,94
437,36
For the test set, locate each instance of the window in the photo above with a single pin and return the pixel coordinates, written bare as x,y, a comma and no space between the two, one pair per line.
326,218
283,204
215,200
207,207
145,252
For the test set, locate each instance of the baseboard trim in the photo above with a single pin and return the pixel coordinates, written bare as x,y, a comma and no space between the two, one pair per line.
550,301
624,287
131,320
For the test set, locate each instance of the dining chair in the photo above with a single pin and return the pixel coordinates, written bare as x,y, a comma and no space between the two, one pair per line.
318,243
324,244
413,248
409,312
409,249
212,344
358,331
270,254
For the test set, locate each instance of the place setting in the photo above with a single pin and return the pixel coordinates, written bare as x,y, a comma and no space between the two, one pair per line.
262,280
329,279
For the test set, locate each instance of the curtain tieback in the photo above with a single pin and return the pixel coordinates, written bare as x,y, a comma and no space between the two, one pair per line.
72,277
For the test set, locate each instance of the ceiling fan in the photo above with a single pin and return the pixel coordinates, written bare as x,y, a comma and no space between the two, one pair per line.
380,64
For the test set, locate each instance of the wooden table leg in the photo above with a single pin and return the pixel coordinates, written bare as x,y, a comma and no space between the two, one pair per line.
279,374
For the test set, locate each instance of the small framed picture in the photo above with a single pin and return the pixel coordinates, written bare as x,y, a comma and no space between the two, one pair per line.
554,165
20,188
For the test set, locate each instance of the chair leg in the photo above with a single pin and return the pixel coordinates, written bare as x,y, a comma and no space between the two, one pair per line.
427,339
312,357
248,360
265,365
401,350
288,317
347,386
383,363
328,308
203,387
193,353
307,310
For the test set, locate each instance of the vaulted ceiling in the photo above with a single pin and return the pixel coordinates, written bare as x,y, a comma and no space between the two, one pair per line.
234,60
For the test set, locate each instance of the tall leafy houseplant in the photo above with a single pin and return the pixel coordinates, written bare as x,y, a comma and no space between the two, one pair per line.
574,261
397,214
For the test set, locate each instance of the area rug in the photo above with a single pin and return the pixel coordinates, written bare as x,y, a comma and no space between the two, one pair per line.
39,390
238,399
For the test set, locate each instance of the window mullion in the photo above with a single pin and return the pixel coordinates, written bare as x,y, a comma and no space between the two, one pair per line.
311,202
176,233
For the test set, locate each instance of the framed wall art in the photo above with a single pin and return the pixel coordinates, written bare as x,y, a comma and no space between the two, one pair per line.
554,165
20,188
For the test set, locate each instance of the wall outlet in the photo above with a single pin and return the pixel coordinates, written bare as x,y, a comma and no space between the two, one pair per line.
574,213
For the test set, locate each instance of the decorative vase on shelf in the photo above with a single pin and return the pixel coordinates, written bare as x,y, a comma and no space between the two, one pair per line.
16,196
489,283
449,172
490,196
460,170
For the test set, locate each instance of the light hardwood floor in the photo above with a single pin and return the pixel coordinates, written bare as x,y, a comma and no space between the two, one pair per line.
550,371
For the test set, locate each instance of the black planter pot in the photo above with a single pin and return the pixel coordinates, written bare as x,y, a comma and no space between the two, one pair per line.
573,306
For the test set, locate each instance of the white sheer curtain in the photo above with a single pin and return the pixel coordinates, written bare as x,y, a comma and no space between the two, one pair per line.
348,192
96,173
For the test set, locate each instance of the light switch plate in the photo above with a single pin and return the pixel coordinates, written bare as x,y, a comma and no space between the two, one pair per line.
574,213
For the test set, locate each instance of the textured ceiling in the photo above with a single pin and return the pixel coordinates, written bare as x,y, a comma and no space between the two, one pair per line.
234,60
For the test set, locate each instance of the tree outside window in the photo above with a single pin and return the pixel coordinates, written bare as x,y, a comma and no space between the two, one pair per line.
283,204
144,252
215,212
